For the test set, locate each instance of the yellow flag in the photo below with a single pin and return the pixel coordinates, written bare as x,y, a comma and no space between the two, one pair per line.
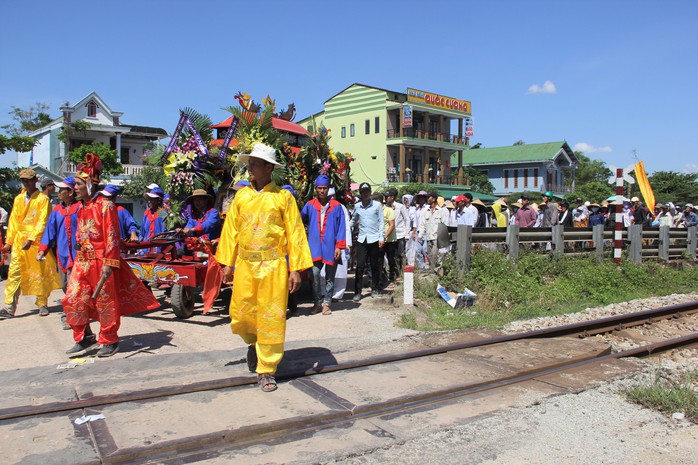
644,183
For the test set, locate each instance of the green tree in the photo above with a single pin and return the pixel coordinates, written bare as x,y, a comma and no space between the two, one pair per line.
135,187
670,186
10,189
593,191
477,180
28,120
519,142
110,162
74,128
589,170
16,143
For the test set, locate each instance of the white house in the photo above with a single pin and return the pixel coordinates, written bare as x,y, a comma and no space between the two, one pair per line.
128,140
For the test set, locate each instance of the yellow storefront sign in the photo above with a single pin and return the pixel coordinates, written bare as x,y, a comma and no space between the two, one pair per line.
439,101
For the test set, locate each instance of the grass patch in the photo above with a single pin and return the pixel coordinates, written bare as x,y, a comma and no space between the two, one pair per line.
538,285
668,396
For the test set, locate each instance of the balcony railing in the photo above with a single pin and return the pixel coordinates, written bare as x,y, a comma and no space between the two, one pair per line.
128,170
427,135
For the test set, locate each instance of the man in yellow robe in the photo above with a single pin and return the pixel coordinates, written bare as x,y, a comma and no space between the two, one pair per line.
26,274
262,227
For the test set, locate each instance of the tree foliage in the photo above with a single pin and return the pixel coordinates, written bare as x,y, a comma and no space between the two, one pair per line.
28,120
670,186
10,189
477,180
16,143
109,158
135,187
589,170
593,191
69,130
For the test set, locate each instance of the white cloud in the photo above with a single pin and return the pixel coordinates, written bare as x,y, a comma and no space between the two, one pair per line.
588,148
547,88
690,168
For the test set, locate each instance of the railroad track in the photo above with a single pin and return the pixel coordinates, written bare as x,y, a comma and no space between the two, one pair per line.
341,412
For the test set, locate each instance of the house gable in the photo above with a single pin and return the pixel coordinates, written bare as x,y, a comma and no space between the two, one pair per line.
91,109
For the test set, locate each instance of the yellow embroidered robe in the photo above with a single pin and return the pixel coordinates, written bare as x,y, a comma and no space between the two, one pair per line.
261,229
27,222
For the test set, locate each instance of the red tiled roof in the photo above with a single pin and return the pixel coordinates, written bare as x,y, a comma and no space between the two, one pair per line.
278,123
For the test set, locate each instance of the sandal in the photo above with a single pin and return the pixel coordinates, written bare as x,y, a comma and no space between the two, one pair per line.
252,358
326,310
4,313
266,382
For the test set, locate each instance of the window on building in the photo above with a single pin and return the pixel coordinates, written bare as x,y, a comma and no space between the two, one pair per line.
311,129
525,178
125,159
506,179
535,177
516,179
368,126
377,127
352,130
91,109
344,132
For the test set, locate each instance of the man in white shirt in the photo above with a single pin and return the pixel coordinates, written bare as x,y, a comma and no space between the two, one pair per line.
429,228
466,212
417,219
402,224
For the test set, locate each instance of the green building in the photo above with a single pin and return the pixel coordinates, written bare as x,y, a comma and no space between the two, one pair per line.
396,136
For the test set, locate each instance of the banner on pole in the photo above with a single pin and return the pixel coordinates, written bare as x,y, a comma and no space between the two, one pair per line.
228,137
645,187
175,136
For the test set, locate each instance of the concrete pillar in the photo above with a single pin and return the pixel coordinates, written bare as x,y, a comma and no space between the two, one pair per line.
635,239
513,240
402,162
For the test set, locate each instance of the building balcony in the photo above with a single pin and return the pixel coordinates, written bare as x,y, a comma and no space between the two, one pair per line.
128,170
413,133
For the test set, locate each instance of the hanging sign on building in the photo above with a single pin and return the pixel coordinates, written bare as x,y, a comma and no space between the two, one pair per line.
407,116
468,126
438,101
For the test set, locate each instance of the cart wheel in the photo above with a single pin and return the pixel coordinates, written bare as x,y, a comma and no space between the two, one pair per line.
182,300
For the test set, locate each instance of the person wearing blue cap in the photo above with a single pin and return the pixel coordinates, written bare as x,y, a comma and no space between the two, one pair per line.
154,216
59,235
327,238
127,225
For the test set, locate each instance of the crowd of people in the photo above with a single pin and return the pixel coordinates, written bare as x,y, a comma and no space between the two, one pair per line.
264,242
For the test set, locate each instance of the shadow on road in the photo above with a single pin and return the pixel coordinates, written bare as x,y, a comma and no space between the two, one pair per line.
146,342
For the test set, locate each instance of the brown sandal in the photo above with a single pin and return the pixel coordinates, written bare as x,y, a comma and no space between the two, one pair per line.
266,382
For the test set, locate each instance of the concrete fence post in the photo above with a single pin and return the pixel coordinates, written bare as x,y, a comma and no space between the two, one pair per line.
513,241
597,237
635,239
558,240
692,238
664,243
464,246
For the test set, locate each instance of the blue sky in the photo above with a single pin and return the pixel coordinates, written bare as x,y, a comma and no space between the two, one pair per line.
609,77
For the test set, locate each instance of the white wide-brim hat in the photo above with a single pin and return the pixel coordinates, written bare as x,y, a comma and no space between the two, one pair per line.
261,151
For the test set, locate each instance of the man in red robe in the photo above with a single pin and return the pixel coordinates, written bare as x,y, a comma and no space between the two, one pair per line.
102,286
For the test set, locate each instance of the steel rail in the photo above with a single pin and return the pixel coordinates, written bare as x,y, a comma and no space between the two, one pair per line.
582,329
179,449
